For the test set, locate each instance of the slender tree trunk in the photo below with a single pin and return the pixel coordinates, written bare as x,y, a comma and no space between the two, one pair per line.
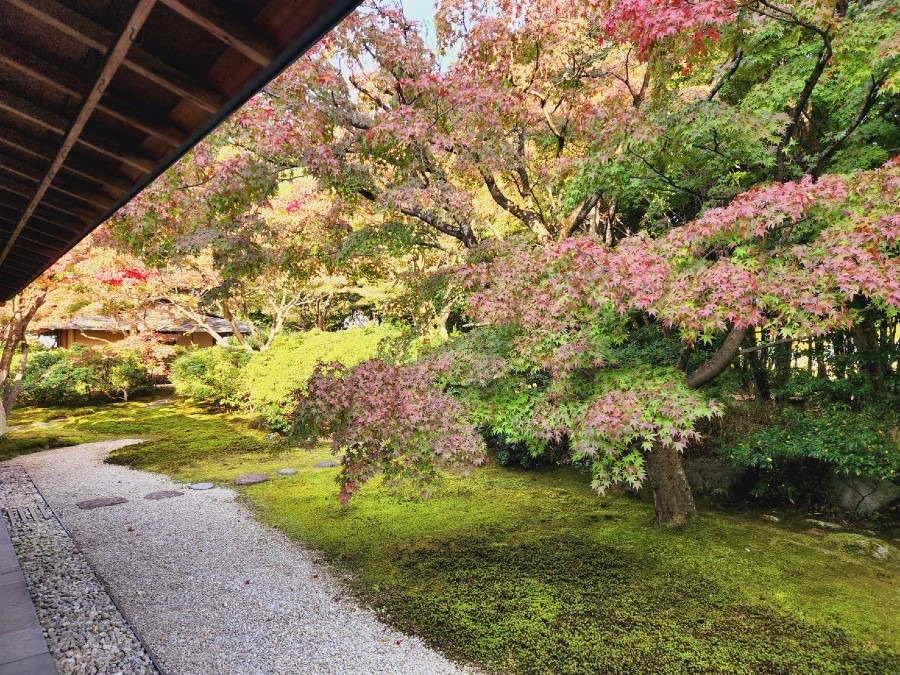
760,376
671,492
783,359
10,401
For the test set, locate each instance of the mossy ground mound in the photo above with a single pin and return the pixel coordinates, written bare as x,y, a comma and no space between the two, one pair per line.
529,572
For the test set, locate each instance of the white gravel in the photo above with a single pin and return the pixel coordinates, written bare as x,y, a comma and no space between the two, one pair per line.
209,588
84,630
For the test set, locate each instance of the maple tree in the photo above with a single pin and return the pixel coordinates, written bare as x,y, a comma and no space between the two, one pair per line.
652,151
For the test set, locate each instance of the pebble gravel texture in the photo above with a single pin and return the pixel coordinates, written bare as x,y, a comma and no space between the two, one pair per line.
209,588
83,629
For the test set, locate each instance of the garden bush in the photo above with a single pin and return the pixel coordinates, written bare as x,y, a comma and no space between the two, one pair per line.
210,375
790,457
76,375
270,378
264,382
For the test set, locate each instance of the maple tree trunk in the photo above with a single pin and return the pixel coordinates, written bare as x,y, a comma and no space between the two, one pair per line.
865,339
671,492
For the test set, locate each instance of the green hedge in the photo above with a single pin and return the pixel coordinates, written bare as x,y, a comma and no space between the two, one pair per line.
210,375
76,375
264,382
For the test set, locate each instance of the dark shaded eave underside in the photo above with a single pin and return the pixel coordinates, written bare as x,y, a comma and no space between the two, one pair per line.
44,243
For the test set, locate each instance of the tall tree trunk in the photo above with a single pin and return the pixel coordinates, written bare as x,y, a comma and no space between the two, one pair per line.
10,401
671,492
760,376
783,358
865,339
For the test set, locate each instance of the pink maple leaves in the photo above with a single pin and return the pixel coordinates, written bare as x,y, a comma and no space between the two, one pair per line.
735,266
387,419
645,23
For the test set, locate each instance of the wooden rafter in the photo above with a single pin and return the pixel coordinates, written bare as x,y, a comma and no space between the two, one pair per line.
32,174
250,44
69,84
114,59
99,38
13,186
36,149
53,122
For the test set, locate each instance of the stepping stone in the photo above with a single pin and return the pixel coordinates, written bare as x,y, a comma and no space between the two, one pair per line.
99,502
159,404
325,465
202,486
250,479
164,494
287,472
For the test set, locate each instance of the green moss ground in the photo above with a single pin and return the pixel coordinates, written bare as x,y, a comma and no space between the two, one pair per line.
529,571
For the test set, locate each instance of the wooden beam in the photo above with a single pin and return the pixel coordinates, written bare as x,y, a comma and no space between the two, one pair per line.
44,219
30,173
68,83
252,45
26,190
57,124
30,244
61,242
116,184
114,59
98,38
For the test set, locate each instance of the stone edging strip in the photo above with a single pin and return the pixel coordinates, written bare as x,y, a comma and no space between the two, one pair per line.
34,525
23,650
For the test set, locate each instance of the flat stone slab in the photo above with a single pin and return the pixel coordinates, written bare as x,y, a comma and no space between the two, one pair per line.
159,404
287,472
100,502
163,494
202,486
250,479
325,465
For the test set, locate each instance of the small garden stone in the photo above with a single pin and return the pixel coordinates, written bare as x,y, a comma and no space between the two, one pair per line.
287,472
250,479
163,494
325,465
100,502
202,486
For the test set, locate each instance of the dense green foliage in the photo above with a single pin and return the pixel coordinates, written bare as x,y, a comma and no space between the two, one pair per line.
265,383
791,456
529,572
210,375
270,379
79,374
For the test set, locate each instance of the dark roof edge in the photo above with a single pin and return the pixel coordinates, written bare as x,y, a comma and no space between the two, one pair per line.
336,13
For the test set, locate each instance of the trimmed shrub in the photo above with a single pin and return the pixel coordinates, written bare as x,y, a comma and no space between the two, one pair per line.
210,375
269,380
76,375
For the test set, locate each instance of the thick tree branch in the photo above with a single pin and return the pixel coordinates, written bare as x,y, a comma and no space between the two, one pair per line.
589,205
529,218
730,69
840,139
781,14
463,234
719,361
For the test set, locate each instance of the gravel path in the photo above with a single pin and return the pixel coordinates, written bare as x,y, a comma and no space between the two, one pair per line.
208,588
